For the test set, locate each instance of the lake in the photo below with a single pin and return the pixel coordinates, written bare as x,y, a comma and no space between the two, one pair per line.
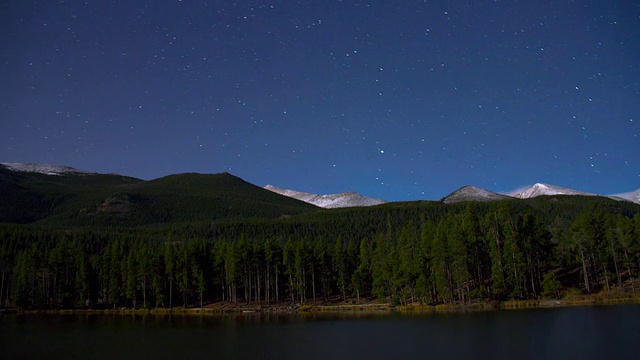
560,333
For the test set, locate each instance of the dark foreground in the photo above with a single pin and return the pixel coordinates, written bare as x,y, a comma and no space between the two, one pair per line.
578,332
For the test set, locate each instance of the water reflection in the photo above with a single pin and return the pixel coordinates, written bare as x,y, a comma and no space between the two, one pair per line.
584,333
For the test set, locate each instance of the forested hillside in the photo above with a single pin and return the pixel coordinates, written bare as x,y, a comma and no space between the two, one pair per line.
416,252
113,200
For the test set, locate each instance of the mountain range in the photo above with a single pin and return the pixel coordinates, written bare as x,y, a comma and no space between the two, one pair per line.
546,189
43,169
466,193
345,199
471,193
331,201
65,196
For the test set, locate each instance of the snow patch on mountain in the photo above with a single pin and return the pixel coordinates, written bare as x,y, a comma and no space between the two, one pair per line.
43,168
633,196
331,201
546,189
303,196
472,193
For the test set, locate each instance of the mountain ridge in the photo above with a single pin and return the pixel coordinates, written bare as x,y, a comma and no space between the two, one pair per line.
540,189
349,199
330,201
73,198
473,193
633,196
43,168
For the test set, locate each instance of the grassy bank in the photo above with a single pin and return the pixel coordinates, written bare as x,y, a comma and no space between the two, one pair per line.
571,298
574,297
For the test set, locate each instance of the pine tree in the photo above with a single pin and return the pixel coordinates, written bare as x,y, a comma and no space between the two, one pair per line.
340,267
425,283
476,249
551,286
587,234
457,246
361,279
170,268
496,219
441,261
408,268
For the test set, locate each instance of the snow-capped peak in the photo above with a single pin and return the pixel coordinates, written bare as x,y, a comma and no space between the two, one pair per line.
472,193
345,199
546,189
633,196
291,193
43,168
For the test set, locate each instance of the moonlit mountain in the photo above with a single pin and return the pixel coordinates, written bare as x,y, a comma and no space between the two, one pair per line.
546,189
345,199
43,168
472,193
352,199
633,196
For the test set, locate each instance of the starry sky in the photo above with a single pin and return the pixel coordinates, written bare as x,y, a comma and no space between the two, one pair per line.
395,100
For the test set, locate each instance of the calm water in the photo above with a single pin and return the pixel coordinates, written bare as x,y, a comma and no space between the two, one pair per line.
611,332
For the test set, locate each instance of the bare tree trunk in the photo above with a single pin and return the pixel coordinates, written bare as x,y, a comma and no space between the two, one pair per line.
615,263
144,291
477,261
267,286
2,290
258,287
235,293
584,270
633,288
170,293
604,270
594,268
293,300
247,299
6,299
304,285
224,290
44,288
313,284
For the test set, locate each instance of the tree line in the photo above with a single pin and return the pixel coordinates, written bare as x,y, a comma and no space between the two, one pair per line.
493,252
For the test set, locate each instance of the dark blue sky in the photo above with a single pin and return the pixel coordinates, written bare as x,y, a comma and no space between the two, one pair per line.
396,100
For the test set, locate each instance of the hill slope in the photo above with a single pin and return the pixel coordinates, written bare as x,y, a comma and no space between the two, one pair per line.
96,199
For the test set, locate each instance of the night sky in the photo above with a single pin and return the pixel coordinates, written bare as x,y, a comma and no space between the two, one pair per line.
396,100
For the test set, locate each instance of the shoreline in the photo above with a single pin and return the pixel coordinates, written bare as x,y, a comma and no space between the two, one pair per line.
223,309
